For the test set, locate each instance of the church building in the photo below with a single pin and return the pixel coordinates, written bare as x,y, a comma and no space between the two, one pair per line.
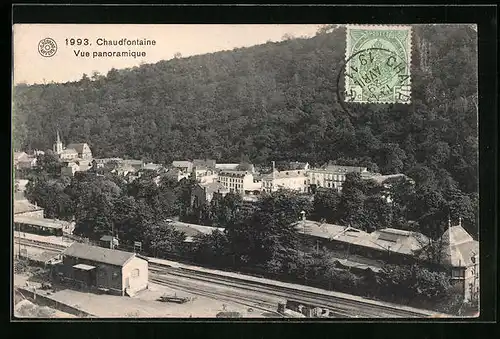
76,156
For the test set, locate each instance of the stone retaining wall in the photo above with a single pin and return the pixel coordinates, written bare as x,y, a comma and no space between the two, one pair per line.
42,300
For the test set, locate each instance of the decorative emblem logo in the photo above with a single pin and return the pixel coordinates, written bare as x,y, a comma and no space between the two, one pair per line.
47,47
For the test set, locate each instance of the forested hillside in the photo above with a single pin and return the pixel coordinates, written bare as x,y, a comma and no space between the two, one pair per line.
275,101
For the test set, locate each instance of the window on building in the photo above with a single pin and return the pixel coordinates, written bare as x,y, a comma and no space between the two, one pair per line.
135,273
458,273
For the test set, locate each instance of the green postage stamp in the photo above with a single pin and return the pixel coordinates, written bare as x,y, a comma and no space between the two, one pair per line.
378,62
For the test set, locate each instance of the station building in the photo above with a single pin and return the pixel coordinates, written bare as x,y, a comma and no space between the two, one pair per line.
103,269
360,250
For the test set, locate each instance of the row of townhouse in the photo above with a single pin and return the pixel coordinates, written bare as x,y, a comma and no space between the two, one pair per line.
245,180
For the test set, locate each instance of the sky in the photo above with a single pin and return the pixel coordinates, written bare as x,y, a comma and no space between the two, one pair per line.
65,65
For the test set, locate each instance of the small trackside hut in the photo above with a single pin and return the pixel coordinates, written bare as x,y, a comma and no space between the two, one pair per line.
96,268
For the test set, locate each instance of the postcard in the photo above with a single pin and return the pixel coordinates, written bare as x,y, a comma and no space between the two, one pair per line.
245,171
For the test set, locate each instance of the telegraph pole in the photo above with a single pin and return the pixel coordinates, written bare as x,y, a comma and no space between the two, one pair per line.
274,176
303,213
474,277
112,235
19,242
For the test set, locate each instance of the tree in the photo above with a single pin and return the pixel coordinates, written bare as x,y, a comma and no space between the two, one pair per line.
351,201
429,210
163,240
392,158
162,198
409,282
271,230
128,222
461,206
93,216
212,249
324,29
325,205
402,195
49,163
93,198
225,210
184,196
50,194
377,213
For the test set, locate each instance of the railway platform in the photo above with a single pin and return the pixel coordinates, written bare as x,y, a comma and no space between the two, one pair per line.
62,241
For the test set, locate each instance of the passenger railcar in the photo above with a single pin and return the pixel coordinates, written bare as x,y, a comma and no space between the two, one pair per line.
38,226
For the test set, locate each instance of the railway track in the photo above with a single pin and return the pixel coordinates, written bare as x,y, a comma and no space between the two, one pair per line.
249,301
342,306
239,294
39,244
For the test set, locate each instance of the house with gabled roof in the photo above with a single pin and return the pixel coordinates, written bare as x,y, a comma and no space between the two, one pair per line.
91,267
204,192
82,149
184,166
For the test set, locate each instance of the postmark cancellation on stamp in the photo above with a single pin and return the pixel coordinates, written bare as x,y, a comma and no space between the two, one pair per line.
378,62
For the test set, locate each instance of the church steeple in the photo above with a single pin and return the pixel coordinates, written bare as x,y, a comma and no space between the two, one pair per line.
58,146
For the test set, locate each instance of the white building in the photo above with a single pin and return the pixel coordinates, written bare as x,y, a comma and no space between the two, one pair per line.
238,181
204,175
103,161
184,166
290,180
332,176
